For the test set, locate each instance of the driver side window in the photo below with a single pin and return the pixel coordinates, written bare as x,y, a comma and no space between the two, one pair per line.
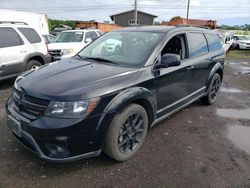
176,45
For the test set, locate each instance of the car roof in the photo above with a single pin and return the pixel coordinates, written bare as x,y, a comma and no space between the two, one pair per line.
164,29
80,30
160,29
14,25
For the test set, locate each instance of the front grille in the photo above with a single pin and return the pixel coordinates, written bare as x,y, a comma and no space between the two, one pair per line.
30,107
248,43
55,53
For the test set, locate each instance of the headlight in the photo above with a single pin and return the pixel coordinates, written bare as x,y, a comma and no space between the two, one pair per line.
67,51
78,109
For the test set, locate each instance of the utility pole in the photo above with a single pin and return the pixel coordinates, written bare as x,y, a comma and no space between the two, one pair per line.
188,9
136,16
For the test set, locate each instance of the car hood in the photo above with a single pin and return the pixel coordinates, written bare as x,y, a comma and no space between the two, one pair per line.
246,41
72,78
66,45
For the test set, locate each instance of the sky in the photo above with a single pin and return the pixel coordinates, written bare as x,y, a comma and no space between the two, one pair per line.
230,12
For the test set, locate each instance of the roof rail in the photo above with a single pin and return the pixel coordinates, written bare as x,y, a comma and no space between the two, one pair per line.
190,25
13,22
86,28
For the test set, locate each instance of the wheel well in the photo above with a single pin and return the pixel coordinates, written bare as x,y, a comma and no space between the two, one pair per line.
220,72
148,107
37,58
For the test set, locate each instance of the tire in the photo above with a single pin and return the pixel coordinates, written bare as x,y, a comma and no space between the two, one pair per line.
237,47
32,64
132,135
213,89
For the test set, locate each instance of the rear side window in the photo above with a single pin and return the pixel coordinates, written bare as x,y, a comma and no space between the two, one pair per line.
197,44
9,37
99,33
91,35
30,34
213,43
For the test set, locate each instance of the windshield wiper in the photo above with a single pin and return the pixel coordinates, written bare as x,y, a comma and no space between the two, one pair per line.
80,57
100,59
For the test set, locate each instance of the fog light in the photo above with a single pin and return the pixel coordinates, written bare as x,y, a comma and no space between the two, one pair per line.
57,150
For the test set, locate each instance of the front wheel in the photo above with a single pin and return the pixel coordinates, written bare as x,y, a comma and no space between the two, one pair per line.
213,89
126,133
33,64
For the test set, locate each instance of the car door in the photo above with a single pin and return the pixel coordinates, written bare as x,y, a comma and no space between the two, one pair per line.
12,52
202,60
174,83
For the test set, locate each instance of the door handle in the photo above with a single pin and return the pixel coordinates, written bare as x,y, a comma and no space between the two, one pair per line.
190,67
23,51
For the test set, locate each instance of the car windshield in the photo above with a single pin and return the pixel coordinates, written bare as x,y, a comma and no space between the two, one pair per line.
123,47
73,36
242,38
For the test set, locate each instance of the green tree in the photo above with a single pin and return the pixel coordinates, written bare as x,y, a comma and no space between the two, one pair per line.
175,18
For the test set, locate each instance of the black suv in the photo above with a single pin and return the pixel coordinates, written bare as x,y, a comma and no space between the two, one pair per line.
110,93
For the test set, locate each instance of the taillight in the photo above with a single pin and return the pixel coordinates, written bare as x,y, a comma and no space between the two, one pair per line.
47,47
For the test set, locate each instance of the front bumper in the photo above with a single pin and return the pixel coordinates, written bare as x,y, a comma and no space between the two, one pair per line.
73,138
244,46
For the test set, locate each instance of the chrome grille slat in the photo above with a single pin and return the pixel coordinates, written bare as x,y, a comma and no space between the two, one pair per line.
55,53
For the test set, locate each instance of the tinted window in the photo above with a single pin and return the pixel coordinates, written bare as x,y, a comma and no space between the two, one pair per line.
9,37
99,33
213,43
30,34
197,44
91,35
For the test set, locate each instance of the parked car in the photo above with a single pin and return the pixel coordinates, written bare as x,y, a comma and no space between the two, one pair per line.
106,101
21,49
70,42
49,38
242,41
227,39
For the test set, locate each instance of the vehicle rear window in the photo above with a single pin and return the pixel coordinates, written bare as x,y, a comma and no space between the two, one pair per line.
9,37
197,44
213,43
30,34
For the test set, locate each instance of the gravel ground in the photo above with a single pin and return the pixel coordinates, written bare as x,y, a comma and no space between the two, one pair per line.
194,148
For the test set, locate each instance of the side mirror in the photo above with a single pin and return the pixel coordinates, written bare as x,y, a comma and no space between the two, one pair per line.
88,40
169,60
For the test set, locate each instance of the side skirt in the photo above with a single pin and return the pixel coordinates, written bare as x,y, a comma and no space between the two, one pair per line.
177,109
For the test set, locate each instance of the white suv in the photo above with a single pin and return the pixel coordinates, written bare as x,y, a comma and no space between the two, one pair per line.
70,42
21,48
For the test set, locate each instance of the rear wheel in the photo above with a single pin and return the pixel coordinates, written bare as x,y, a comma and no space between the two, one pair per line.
126,133
213,89
33,64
